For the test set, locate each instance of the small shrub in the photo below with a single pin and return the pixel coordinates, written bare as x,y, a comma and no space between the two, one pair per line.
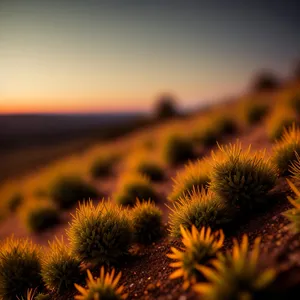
177,150
207,136
67,191
200,248
199,208
60,269
166,107
147,222
103,166
104,287
151,170
284,151
236,275
133,187
14,202
195,175
100,234
39,215
20,268
255,112
243,179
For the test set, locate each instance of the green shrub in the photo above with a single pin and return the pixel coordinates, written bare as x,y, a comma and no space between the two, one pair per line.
236,275
67,191
147,222
199,208
132,187
195,175
39,215
20,268
200,248
177,150
286,149
255,112
151,170
104,287
243,179
100,234
60,269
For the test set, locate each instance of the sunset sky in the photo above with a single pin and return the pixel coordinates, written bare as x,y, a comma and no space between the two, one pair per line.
93,55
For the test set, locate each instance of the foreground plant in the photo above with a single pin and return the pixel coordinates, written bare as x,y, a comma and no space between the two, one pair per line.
20,268
195,175
104,287
286,149
243,179
147,222
199,208
236,275
100,234
200,247
293,214
60,269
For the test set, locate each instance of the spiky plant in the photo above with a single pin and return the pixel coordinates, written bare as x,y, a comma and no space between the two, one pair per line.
147,222
20,268
177,150
284,151
200,247
68,190
293,214
105,287
100,234
237,275
60,269
134,186
39,215
199,208
41,296
243,179
195,175
151,169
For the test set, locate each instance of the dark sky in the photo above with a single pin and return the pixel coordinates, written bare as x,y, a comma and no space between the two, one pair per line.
121,54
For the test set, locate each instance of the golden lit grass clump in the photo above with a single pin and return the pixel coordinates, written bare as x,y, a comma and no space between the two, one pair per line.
240,177
199,208
100,234
68,190
285,150
293,214
195,175
133,186
106,287
236,275
200,248
60,269
39,214
20,268
147,222
281,118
